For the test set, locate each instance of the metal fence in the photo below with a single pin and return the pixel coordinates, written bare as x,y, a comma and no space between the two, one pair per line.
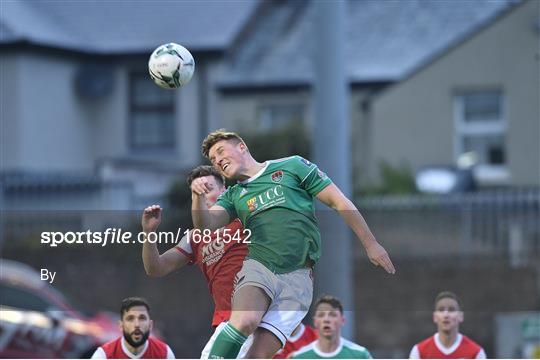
505,221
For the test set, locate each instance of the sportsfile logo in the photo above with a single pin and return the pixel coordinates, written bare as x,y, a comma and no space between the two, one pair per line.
269,198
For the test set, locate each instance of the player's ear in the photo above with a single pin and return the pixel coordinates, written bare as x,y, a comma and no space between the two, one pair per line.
242,146
120,325
434,317
461,316
151,325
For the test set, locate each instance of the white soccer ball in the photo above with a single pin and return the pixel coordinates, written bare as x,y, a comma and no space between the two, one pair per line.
171,66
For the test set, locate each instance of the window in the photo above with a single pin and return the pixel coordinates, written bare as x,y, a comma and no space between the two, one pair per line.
276,116
481,129
151,115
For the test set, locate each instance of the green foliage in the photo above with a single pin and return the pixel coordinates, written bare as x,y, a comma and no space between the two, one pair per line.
394,181
282,142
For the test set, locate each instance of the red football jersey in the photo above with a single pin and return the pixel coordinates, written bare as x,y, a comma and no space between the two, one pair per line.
116,349
219,261
306,335
432,348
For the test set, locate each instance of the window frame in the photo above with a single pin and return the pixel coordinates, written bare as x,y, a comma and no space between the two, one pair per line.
134,108
495,126
269,105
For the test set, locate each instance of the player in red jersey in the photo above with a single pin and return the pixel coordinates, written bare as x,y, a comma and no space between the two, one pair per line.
219,261
219,255
447,343
136,342
301,336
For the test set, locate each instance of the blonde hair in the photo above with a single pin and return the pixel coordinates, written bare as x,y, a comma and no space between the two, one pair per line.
216,136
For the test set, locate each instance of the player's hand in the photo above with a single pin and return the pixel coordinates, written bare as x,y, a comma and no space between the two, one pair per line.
378,256
151,218
200,186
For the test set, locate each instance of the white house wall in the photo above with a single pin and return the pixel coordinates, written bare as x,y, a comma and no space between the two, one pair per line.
53,128
109,117
413,121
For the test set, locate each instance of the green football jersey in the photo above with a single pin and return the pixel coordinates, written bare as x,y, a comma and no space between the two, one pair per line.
277,206
346,350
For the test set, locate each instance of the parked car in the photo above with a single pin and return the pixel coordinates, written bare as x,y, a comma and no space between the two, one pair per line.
37,321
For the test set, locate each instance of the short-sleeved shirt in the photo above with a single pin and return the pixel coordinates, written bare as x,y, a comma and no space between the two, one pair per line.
346,350
117,349
277,206
219,259
432,348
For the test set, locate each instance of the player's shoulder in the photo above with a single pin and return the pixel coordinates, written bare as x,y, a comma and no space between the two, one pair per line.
230,191
156,342
111,344
235,224
426,341
281,160
467,341
294,160
356,348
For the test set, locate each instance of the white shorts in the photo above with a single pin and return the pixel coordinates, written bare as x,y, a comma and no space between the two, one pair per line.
210,343
290,293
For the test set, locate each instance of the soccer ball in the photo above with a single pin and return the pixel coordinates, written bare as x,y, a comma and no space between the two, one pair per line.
171,66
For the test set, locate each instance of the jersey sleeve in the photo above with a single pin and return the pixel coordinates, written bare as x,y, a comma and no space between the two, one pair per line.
99,354
481,354
170,354
312,179
184,247
225,201
415,354
368,354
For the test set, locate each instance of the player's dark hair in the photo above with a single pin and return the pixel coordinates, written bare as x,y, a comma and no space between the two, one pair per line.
130,302
330,300
218,135
446,295
205,170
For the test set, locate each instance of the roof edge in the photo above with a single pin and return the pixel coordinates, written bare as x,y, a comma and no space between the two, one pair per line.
468,35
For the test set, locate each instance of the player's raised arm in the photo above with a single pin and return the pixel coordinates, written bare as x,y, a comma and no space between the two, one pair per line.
154,263
203,217
334,198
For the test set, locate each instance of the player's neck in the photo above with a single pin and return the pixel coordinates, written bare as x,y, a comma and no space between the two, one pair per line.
448,338
132,349
329,345
252,168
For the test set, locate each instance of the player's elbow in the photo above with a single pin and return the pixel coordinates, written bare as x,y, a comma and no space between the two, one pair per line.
199,223
154,272
345,204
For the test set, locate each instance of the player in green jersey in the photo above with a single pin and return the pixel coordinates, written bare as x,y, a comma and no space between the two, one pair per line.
328,321
275,201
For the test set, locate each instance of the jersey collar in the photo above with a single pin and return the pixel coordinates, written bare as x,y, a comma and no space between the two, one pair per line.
328,355
445,350
129,353
259,173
